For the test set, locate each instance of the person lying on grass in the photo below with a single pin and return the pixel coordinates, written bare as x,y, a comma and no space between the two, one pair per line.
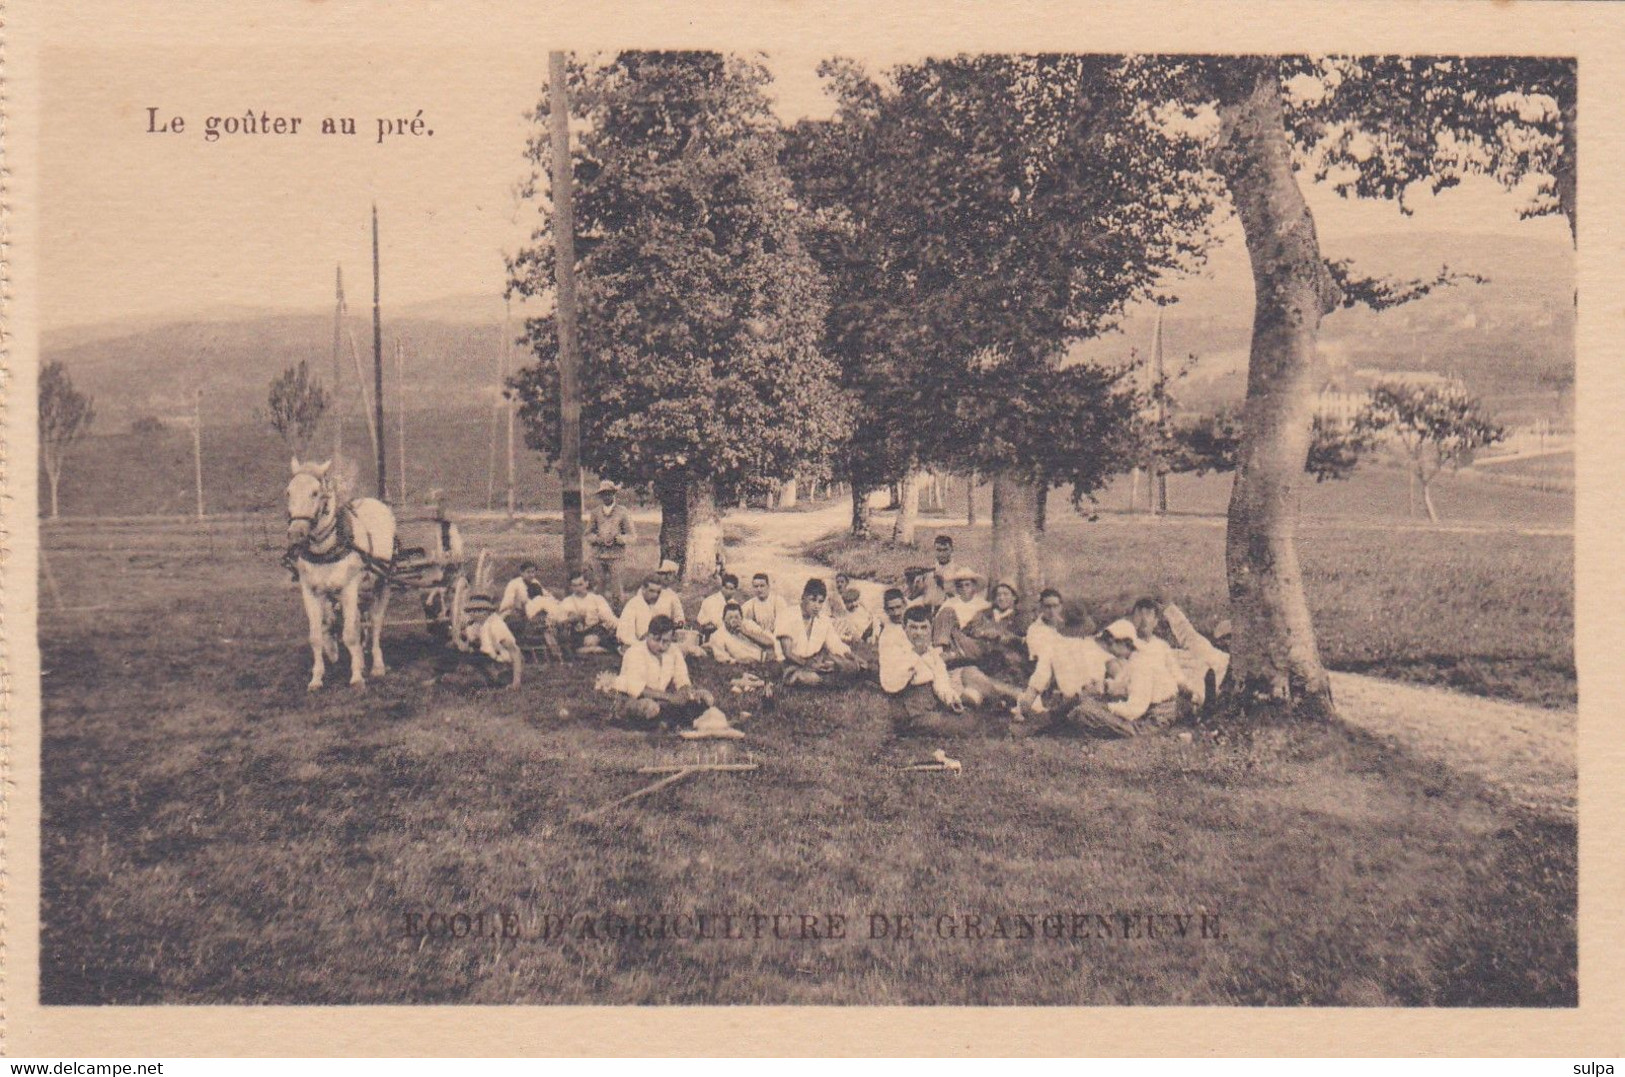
586,624
853,620
1143,688
496,651
709,619
813,650
893,604
653,684
728,644
1202,663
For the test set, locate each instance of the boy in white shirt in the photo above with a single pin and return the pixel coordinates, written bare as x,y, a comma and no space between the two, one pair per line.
1147,684
653,683
709,619
728,645
586,623
763,612
910,663
813,650
639,612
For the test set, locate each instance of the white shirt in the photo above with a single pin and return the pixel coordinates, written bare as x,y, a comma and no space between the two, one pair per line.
728,648
1040,634
1151,678
591,609
494,632
672,606
710,615
768,613
514,596
964,611
1073,665
634,622
855,623
805,640
901,666
641,669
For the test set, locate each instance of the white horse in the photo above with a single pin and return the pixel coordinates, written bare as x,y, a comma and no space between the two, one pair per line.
344,553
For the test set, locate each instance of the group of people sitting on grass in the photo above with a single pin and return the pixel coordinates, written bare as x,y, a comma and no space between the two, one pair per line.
953,656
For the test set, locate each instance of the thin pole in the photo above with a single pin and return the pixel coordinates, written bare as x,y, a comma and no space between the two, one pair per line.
400,422
377,360
564,269
1159,500
507,339
366,400
197,448
338,374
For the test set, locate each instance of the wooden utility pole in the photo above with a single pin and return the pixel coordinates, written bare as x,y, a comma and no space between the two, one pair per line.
197,448
564,269
1159,474
377,362
507,348
338,376
400,423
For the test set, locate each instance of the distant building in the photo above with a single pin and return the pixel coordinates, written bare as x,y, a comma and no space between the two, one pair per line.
1345,392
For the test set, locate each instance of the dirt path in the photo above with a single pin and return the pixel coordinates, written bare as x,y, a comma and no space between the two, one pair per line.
1529,753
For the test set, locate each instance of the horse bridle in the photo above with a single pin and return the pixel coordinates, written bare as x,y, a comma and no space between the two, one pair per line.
325,508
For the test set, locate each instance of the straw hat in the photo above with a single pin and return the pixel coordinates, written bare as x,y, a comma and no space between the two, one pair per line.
605,486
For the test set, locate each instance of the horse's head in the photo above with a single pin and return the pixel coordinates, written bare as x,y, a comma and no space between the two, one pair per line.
308,488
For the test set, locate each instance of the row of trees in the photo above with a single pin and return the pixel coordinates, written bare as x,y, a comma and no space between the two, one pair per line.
898,287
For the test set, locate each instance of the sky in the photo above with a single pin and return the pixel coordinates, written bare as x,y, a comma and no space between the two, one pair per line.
138,225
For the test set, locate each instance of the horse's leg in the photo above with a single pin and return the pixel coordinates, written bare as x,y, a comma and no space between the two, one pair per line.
330,629
316,614
352,629
380,606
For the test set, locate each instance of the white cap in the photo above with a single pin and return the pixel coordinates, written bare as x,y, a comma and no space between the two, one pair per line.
1124,630
667,566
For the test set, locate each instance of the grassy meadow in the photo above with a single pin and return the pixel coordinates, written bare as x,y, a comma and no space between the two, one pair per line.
214,834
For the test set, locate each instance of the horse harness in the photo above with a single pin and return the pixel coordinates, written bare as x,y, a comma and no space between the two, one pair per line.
332,536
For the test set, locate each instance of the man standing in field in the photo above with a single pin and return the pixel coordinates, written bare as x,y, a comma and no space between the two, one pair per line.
609,532
813,651
653,683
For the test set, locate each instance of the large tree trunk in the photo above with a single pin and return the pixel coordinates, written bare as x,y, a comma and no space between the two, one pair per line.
1276,665
908,511
690,527
1041,512
787,495
862,513
970,501
1014,559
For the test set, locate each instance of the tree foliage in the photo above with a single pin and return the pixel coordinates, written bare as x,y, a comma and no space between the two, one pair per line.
65,416
1438,426
701,311
991,210
296,402
1212,443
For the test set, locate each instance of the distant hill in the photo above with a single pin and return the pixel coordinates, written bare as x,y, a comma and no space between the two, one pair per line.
1501,336
1506,337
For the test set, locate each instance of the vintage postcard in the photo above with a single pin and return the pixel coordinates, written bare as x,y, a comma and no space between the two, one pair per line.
1070,528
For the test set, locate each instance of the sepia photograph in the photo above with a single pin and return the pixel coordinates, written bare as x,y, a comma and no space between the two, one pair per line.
884,526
